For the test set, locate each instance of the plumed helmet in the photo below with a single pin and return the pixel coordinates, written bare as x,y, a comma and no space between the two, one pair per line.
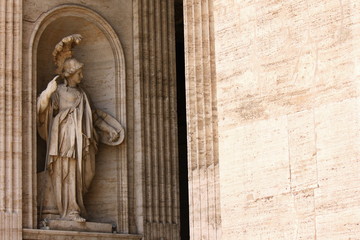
63,56
71,65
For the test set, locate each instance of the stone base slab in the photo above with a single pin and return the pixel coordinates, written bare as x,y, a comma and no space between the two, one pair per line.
79,226
37,234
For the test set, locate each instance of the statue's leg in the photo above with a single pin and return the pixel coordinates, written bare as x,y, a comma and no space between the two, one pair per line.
56,180
89,168
72,191
71,186
64,184
85,178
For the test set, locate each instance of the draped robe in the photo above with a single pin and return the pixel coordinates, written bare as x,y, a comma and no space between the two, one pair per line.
67,126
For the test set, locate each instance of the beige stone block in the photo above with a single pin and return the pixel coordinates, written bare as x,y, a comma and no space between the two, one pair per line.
339,225
302,150
338,138
256,181
254,171
284,216
304,206
257,159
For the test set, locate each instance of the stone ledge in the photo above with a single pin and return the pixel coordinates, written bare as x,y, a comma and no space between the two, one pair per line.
80,227
37,234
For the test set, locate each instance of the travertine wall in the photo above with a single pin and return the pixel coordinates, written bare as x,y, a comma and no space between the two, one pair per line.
10,123
287,76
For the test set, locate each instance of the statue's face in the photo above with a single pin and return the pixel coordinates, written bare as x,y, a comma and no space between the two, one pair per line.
76,77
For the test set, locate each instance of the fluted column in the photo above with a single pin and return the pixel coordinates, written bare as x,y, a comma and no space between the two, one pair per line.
10,123
202,129
159,121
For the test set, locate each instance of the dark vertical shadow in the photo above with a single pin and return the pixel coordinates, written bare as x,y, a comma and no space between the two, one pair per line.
181,112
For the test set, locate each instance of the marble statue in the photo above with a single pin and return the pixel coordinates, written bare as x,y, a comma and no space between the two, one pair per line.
72,130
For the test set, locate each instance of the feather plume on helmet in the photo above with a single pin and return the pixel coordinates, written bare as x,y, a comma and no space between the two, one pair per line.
63,56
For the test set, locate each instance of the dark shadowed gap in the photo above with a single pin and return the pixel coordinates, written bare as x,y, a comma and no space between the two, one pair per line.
181,111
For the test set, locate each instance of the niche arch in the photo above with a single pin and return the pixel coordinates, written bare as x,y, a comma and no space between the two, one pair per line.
104,80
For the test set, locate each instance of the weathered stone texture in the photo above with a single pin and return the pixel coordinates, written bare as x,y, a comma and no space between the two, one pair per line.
159,121
203,161
36,234
338,138
288,104
10,123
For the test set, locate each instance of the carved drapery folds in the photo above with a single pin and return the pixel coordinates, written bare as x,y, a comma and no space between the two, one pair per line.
10,123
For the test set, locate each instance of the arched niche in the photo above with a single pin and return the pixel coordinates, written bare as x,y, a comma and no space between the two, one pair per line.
104,81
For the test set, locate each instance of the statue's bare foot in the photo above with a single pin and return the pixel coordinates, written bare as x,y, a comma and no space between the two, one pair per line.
79,219
75,216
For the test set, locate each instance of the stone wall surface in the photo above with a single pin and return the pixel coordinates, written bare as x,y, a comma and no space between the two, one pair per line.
288,105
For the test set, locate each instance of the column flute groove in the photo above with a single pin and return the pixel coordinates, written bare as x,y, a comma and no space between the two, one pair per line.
17,104
173,118
160,78
147,113
2,101
166,139
9,32
216,223
191,111
154,143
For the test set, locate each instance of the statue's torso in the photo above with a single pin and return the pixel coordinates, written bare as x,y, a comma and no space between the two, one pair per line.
66,128
68,97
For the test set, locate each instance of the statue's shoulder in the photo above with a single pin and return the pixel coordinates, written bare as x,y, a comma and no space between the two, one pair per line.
61,89
83,91
61,86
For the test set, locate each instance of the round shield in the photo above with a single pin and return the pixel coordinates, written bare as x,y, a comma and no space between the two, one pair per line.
111,121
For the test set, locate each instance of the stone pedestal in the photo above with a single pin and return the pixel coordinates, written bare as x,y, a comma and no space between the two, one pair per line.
35,234
79,226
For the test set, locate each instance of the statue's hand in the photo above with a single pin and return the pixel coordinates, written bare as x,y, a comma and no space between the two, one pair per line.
113,135
44,98
52,86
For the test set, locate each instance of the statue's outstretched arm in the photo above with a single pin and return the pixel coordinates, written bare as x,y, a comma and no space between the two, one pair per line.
44,98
